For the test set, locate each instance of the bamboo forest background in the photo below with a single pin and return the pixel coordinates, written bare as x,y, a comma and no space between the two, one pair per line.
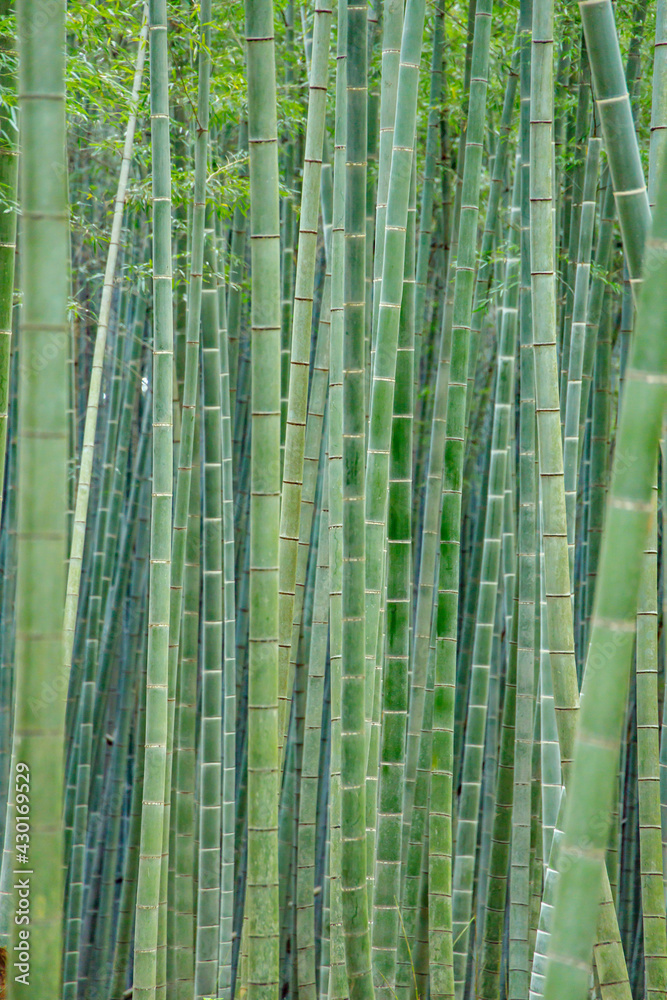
333,371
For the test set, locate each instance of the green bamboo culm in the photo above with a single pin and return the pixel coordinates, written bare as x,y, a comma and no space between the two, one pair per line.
612,629
263,751
179,963
337,985
80,520
9,161
618,131
205,965
210,738
295,433
388,390
39,720
449,918
95,388
353,722
153,804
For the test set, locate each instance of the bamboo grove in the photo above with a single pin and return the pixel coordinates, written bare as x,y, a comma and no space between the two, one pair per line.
333,458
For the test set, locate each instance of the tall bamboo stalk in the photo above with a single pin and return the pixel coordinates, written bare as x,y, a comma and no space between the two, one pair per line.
9,163
263,721
355,682
39,722
605,690
153,804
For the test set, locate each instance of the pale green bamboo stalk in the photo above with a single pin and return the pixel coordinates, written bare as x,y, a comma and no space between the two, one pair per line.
659,99
167,971
496,895
427,568
550,767
126,905
392,24
596,295
311,462
287,227
519,889
526,782
656,153
101,958
604,691
123,943
75,898
314,421
618,131
599,472
446,922
184,469
295,437
572,403
536,861
185,744
210,738
648,777
389,294
571,210
611,973
235,292
539,965
430,159
393,708
337,986
489,779
484,276
373,759
412,880
153,803
560,638
355,911
95,386
229,734
311,759
261,905
39,722
468,818
9,164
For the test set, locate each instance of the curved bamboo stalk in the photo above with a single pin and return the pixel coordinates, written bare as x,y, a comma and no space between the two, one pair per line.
604,691
618,131
95,386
